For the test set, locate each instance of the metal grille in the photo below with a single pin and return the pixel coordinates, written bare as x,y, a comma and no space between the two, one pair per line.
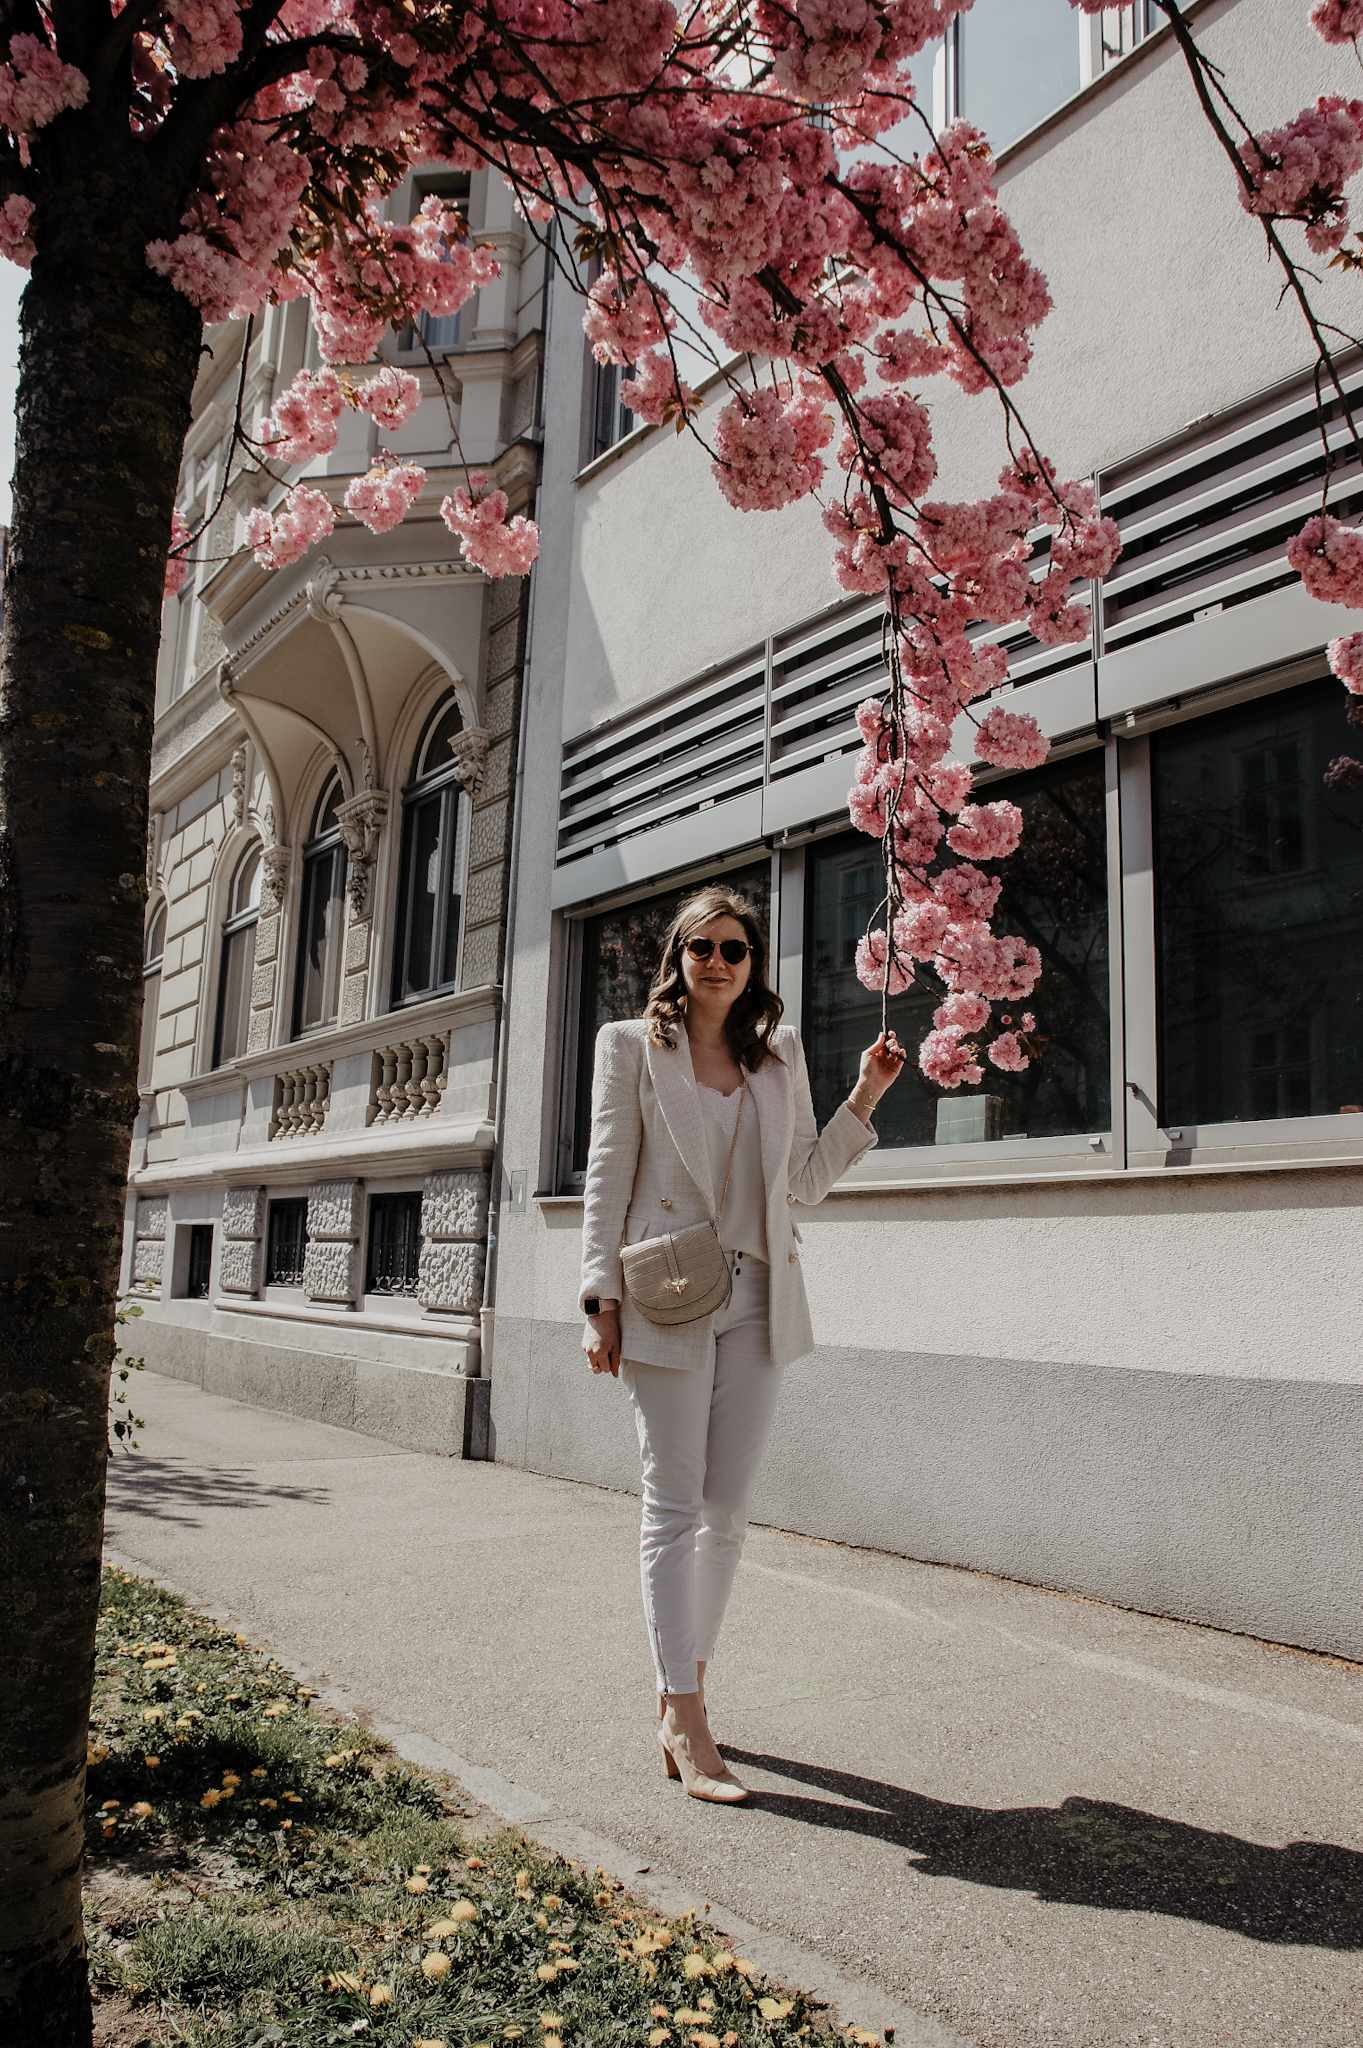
287,1242
394,1244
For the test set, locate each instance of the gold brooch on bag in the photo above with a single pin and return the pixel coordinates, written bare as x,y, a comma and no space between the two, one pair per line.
677,1286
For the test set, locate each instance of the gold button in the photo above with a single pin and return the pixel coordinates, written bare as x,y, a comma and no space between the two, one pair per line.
790,1198
794,1259
666,1204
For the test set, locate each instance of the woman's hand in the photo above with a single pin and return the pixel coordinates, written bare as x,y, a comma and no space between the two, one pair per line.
880,1068
601,1340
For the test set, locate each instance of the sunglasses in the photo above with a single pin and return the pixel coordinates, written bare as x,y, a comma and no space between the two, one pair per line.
732,950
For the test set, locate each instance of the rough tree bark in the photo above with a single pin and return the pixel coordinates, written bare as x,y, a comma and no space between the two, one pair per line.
109,355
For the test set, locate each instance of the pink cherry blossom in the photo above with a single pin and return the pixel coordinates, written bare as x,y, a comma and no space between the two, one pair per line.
306,516
390,399
920,929
1328,556
302,422
204,36
875,967
767,448
491,542
177,568
1011,739
944,1058
15,242
1298,171
966,891
1338,21
969,1013
380,499
1346,661
35,86
1006,1052
655,394
986,831
623,318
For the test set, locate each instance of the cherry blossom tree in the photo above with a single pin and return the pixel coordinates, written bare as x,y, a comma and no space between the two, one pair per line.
748,184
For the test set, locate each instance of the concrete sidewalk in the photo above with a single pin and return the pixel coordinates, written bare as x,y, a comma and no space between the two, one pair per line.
1024,1818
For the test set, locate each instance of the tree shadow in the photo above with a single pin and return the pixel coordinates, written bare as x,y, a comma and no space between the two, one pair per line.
165,1490
1092,1852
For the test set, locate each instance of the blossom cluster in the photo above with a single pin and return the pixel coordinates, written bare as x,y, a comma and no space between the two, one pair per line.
35,86
1298,171
488,539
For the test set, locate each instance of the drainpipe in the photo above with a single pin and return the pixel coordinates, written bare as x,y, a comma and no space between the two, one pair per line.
487,1315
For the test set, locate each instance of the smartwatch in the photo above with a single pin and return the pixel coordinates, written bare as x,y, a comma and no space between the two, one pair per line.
591,1306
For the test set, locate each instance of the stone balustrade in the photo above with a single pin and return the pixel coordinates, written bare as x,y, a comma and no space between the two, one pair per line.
302,1097
409,1081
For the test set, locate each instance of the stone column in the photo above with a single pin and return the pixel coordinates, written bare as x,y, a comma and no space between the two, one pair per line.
273,882
331,1263
453,1225
361,819
488,768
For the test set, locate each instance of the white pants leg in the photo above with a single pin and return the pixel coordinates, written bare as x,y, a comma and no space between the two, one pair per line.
702,1432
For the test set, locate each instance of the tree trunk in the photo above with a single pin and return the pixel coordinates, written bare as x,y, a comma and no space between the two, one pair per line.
107,370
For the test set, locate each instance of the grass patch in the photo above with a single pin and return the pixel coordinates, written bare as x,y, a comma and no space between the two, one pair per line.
258,1875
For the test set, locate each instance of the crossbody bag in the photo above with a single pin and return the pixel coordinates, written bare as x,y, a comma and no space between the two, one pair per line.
684,1275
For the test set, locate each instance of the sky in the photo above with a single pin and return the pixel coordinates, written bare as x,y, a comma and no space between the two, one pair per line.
12,282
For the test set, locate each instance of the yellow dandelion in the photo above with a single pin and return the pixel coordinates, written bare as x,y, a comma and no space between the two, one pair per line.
435,1965
776,2008
143,1808
704,2041
547,1973
730,2040
260,1772
294,1798
108,1806
722,1962
151,1762
417,1884
552,2041
551,1902
706,2004
271,1803
421,1869
463,1909
512,2033
522,1877
659,2012
862,2038
551,2022
744,1967
542,1922
428,2044
153,1713
380,1994
656,2037
695,1965
211,1798
475,1863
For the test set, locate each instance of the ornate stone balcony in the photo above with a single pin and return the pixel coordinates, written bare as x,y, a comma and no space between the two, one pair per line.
302,1097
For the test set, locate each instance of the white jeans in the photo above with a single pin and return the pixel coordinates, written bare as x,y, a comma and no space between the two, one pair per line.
702,1431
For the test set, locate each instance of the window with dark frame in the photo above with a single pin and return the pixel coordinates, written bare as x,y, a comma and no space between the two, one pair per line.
620,954
1054,896
394,1244
200,1261
238,960
321,918
1259,912
610,419
435,813
439,331
286,1242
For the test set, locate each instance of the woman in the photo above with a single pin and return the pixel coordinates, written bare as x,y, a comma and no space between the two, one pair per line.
701,1110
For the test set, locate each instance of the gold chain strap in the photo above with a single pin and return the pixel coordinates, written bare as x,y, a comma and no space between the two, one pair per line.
733,1147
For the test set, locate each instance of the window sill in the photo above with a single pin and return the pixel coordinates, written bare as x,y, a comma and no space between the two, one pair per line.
454,1329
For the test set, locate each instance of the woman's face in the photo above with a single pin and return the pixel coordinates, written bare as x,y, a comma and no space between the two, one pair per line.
715,984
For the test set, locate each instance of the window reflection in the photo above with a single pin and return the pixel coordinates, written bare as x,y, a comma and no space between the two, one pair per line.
1018,60
1054,896
620,954
1260,932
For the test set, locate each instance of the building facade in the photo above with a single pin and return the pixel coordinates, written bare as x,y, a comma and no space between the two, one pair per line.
1093,1326
328,869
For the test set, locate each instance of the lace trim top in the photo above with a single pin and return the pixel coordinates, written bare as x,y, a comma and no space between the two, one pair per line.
743,1225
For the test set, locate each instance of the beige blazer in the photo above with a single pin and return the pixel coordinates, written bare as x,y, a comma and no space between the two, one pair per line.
648,1171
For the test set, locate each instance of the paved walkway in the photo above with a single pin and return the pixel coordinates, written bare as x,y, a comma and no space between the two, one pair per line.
1022,1818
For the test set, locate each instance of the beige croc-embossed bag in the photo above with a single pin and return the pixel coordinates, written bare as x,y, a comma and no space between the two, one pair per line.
683,1276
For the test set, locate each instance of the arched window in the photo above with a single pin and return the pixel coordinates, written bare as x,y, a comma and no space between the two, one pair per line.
238,959
431,877
151,992
317,984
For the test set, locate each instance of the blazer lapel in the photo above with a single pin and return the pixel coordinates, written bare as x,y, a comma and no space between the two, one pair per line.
775,1099
674,1084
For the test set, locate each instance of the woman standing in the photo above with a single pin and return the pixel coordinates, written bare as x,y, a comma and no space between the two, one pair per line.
701,1113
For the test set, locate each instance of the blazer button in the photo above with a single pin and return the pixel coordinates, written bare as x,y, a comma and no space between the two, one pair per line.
790,1199
794,1259
665,1203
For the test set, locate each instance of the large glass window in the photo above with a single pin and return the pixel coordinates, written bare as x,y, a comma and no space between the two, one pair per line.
317,985
153,957
1017,61
1054,896
620,954
394,1244
431,875
238,960
1259,870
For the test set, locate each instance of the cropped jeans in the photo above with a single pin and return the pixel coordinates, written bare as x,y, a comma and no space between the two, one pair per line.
702,1432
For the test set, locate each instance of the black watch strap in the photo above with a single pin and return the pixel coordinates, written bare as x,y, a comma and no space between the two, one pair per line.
591,1306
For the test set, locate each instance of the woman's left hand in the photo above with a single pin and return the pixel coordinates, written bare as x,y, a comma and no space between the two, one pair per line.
881,1065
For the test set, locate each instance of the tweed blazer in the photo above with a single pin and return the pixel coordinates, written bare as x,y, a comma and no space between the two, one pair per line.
648,1171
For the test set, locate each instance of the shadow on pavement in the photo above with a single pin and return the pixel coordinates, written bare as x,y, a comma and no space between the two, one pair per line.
1089,1852
168,1491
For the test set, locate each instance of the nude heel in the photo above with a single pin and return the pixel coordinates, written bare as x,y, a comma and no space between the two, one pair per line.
673,1769
721,1791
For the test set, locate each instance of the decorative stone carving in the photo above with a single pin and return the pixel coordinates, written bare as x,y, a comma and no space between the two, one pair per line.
149,1255
331,1271
334,1208
454,1205
470,752
267,941
354,998
258,1031
239,1266
321,598
243,1212
302,1097
357,945
410,1078
450,1277
153,1214
360,821
239,785
275,863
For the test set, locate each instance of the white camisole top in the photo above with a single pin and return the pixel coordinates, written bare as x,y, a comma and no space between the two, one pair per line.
743,1225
